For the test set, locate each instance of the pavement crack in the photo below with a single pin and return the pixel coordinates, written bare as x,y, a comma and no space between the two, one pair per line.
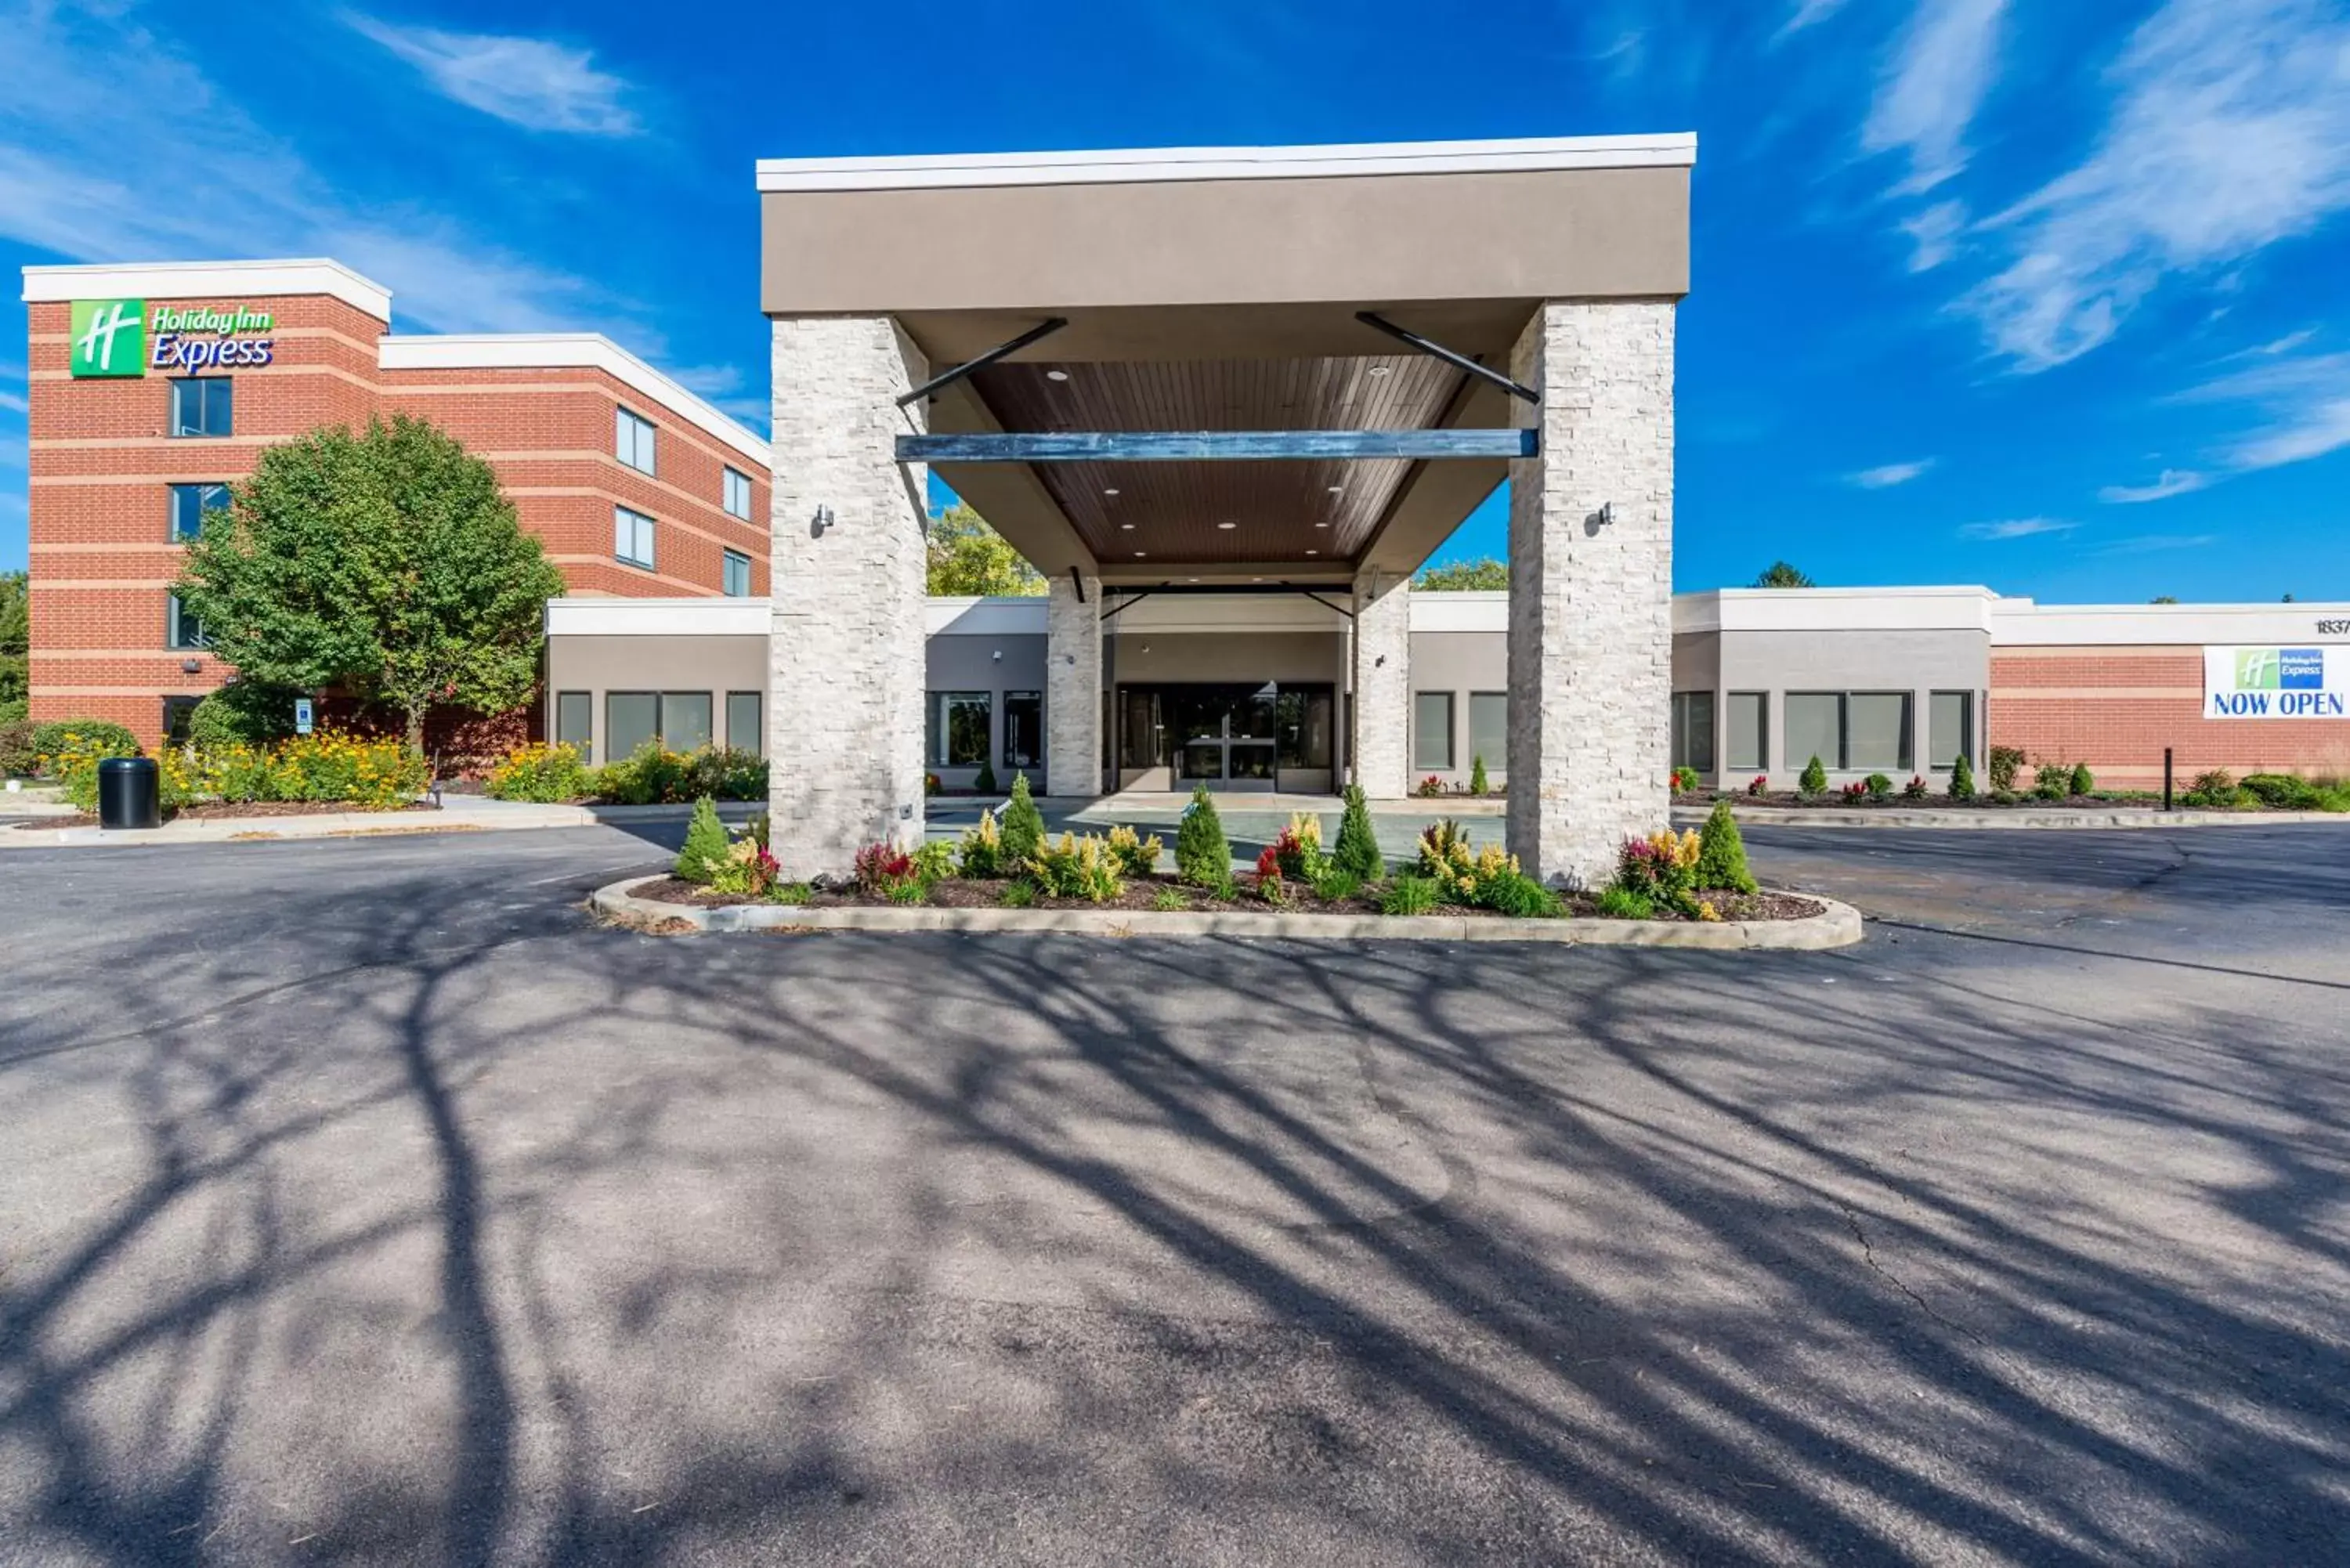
1869,1256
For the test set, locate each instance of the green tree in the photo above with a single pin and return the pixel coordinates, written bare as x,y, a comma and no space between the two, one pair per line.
1813,779
2164,600
1022,826
706,844
386,564
1484,575
1780,575
1203,858
1722,853
15,642
967,556
1357,849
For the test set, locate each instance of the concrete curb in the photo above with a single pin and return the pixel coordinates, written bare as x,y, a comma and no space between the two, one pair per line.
1838,925
461,814
2008,818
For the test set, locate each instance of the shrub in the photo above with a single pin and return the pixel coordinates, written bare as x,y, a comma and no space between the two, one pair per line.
1334,885
543,774
1408,894
1478,783
984,781
2006,761
18,759
879,867
241,713
1619,903
1758,784
1298,848
1722,852
2052,781
1879,785
1962,778
1017,894
2283,792
1204,856
1463,875
705,844
1515,893
1357,849
747,870
1813,779
933,862
2083,781
1170,901
1022,826
981,854
1136,855
2214,790
1916,788
726,772
1075,868
647,776
1662,869
52,736
2004,797
368,772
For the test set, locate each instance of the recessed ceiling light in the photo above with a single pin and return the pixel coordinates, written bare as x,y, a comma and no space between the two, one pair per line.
1111,491
1138,554
1125,527
1190,579
1321,524
1312,552
1057,375
1337,490
1381,369
1257,579
1227,525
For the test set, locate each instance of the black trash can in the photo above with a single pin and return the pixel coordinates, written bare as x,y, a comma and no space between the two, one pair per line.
129,793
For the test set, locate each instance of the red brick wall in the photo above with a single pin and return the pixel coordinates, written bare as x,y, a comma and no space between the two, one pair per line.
101,459
2116,708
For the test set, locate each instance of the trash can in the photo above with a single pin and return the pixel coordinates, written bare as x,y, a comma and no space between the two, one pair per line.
129,793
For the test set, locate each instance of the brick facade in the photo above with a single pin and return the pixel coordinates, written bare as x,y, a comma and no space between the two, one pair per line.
2116,708
102,459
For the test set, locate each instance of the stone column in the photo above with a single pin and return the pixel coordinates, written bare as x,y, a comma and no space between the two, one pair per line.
1591,616
1382,685
1073,687
844,691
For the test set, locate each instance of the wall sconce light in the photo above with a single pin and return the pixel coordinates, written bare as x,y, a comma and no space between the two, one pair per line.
820,522
1606,512
190,665
998,655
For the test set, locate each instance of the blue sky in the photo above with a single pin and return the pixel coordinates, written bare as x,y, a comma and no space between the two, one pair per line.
2045,297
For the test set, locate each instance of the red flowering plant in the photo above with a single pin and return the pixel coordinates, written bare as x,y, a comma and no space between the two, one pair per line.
1758,784
1856,792
879,867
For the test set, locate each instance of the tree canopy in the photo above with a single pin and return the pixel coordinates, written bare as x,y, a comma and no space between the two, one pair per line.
967,556
1780,575
1484,575
15,642
385,564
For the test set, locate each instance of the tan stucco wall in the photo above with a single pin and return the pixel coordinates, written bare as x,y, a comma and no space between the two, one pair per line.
600,664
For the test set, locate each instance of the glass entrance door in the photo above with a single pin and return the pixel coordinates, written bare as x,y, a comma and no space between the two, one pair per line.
1227,737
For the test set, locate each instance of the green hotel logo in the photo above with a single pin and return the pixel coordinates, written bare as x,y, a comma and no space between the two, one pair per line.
2258,670
109,337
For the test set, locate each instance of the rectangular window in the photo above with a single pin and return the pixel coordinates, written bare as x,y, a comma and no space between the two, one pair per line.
632,537
736,574
190,505
1693,730
182,629
958,728
1301,727
1431,732
630,718
632,440
1748,739
203,406
574,722
738,496
684,720
1024,730
1488,730
746,710
1815,729
1876,732
179,717
1950,728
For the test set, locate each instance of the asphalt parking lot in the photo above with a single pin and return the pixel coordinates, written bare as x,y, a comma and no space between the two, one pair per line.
365,1202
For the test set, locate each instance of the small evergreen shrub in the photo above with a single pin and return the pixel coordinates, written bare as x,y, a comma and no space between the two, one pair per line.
1813,781
1962,778
1357,849
1023,826
706,844
2006,761
984,781
1722,852
1617,903
1408,894
1204,856
2083,781
1478,783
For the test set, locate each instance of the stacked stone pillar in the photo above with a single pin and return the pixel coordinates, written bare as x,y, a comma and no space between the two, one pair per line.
1379,750
1073,686
844,689
1591,529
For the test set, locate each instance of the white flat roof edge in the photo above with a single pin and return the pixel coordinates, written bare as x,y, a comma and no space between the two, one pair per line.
192,279
1674,150
552,350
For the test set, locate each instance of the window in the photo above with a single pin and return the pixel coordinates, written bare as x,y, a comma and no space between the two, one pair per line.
743,713
1950,728
574,722
1431,732
1748,741
735,575
179,717
1693,730
738,496
958,730
632,440
1023,729
632,537
182,629
1301,726
190,503
679,721
1489,728
201,406
1856,732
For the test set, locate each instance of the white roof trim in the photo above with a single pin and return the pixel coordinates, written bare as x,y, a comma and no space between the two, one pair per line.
203,280
2020,623
1966,607
585,350
1676,150
600,617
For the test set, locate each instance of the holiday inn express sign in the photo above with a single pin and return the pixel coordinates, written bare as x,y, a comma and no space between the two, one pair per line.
112,337
2276,682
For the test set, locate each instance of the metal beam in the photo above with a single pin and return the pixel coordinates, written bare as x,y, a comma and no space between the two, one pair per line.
1077,579
1437,350
1216,446
947,379
1135,596
1124,605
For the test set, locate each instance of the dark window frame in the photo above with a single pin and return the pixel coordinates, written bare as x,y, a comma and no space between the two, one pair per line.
209,390
1451,721
177,637
196,489
728,561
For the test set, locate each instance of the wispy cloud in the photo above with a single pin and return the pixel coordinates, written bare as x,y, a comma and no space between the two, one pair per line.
2154,543
14,401
726,388
2229,131
2169,482
1808,14
2016,528
1934,234
1889,474
529,82
1944,67
2306,401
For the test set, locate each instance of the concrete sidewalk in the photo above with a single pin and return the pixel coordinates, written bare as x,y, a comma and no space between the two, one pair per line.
458,813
